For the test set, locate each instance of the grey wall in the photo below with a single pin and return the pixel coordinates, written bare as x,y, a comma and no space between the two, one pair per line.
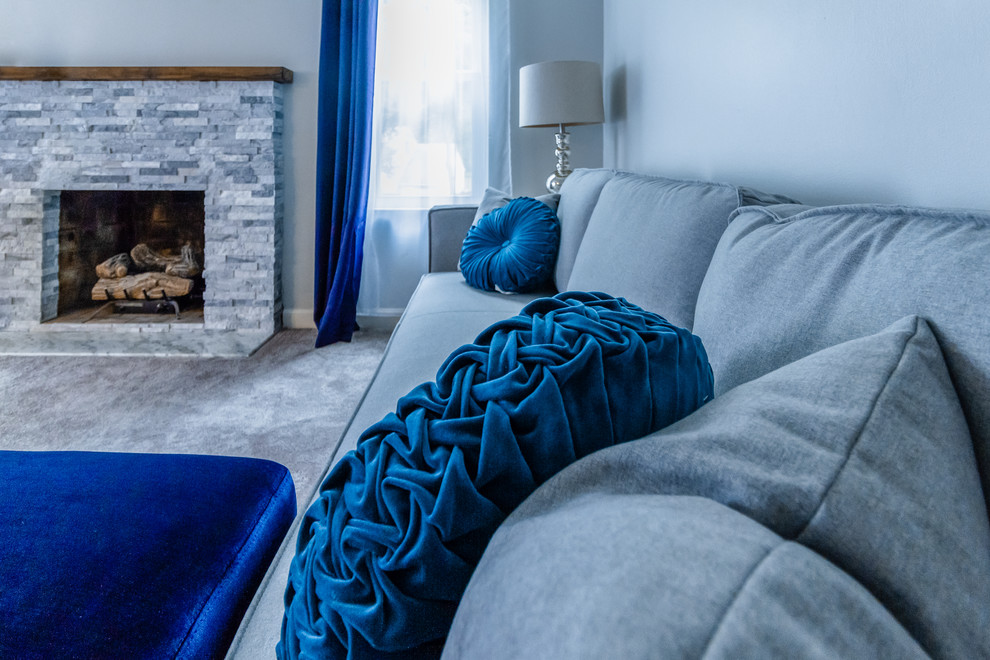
551,30
826,100
197,33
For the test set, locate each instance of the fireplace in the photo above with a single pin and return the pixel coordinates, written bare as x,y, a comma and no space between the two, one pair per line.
94,161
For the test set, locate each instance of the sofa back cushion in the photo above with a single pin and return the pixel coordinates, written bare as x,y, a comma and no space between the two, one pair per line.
649,240
578,197
787,281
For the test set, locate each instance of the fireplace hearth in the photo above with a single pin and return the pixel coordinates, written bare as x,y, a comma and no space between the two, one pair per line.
94,162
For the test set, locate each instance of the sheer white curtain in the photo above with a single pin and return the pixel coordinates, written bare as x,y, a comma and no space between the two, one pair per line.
431,135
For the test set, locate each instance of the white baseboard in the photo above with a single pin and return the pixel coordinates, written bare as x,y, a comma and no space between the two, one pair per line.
298,319
302,319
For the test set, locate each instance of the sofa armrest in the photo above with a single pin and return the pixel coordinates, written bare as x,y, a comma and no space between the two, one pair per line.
448,226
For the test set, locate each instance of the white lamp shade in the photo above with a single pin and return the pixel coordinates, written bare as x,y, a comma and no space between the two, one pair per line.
560,93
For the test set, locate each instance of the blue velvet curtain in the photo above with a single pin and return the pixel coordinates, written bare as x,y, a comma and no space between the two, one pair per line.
346,87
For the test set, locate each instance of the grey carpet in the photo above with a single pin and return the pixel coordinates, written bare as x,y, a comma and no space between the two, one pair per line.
288,402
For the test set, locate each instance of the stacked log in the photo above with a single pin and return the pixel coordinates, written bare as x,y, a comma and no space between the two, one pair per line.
184,265
143,286
165,275
116,266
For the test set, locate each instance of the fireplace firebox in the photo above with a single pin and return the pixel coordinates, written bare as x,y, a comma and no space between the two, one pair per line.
96,226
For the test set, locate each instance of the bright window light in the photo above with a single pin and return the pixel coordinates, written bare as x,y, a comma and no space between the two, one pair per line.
431,101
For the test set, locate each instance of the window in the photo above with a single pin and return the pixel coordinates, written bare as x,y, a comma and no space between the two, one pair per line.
430,136
431,103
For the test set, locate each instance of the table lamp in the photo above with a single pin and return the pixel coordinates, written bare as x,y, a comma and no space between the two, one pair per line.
560,93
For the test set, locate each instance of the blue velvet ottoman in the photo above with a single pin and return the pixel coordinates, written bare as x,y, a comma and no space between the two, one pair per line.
112,555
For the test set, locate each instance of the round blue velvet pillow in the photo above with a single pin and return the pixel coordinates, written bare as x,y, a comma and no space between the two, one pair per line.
513,249
385,552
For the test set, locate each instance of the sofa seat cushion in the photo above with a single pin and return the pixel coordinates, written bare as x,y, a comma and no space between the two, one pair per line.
439,293
384,553
786,281
116,555
831,508
443,313
649,239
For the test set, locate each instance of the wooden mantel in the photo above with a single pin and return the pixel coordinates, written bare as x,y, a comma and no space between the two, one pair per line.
199,73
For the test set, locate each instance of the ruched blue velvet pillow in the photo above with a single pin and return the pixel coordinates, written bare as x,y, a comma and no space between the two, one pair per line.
385,552
513,249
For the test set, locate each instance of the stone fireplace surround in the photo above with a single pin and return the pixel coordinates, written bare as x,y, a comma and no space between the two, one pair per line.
210,129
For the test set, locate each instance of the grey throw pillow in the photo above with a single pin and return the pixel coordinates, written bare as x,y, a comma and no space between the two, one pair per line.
831,507
495,199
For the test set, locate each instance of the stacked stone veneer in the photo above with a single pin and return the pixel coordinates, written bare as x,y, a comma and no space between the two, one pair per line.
220,137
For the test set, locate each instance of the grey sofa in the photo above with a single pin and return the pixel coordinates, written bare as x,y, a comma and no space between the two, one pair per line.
830,502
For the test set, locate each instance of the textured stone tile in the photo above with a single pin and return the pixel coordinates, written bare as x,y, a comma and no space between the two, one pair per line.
144,135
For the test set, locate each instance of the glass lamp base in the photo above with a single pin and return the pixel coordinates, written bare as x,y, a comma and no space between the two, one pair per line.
555,181
563,153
